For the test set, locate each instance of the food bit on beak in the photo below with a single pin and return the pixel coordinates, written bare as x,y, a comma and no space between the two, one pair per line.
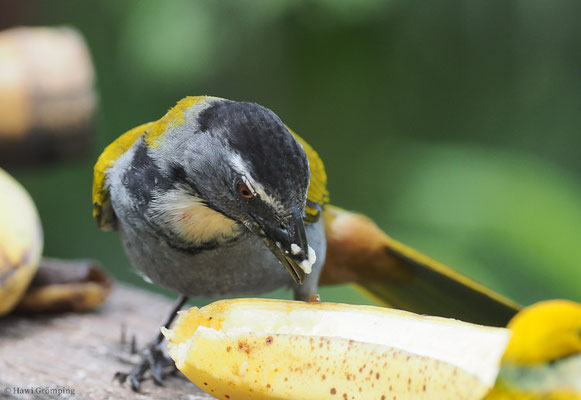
288,242
307,264
295,249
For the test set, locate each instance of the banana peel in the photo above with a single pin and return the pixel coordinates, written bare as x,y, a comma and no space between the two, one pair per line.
273,349
29,283
61,286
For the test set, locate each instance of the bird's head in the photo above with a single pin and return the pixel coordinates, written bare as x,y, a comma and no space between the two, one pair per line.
232,167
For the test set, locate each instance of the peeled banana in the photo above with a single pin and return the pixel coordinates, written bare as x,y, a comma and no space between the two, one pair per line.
20,241
273,349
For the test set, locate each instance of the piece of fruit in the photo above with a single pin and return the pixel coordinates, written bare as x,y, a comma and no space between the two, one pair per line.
20,241
64,285
273,349
543,358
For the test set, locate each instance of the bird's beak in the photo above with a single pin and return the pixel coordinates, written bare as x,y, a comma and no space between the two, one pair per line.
288,242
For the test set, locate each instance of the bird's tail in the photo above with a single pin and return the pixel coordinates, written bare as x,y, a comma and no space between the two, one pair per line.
401,277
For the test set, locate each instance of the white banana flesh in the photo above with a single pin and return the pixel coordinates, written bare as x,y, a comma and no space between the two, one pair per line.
20,241
272,349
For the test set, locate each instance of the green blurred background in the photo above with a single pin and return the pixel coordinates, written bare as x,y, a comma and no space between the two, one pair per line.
453,124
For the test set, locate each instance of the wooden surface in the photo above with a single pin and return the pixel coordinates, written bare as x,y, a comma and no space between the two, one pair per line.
82,352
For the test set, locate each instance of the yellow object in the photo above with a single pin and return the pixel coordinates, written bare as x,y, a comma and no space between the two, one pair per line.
272,349
20,241
172,119
543,357
545,332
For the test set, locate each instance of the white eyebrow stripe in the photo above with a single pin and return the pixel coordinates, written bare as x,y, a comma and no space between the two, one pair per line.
256,188
274,203
239,165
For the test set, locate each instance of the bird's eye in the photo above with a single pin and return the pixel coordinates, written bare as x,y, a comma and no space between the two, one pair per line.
244,191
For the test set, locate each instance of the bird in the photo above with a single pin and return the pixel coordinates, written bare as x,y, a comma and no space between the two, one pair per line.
543,357
220,198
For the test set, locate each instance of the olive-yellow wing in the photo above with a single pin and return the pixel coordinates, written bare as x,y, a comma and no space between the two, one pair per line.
401,277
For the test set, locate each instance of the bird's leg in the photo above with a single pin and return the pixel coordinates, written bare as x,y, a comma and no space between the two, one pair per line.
152,357
307,290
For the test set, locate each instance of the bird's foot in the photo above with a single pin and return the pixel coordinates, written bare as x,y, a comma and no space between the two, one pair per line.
149,362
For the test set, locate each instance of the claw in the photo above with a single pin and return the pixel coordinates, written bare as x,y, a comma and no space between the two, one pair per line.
152,358
123,339
120,377
133,344
135,383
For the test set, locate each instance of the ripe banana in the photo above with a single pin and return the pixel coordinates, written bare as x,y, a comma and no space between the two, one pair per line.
272,349
29,283
543,358
20,241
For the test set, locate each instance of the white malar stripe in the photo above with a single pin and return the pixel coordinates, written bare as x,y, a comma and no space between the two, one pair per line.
187,217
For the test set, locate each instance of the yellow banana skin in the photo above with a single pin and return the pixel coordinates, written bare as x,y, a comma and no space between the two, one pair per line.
543,358
20,241
273,349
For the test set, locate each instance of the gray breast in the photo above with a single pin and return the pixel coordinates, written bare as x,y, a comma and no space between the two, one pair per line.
242,267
